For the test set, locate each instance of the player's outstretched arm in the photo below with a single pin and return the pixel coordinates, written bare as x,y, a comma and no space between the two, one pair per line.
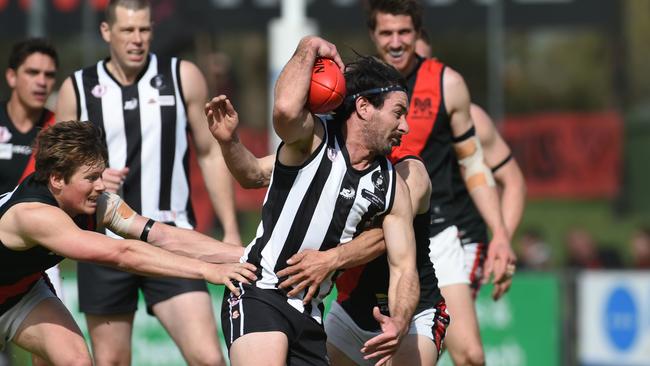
66,104
57,232
478,177
116,215
248,170
208,153
309,268
505,169
404,287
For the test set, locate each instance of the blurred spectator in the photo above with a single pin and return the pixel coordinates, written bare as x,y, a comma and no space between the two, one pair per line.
640,247
584,253
534,252
220,75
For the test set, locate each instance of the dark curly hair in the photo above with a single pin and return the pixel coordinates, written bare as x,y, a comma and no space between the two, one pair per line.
63,148
368,74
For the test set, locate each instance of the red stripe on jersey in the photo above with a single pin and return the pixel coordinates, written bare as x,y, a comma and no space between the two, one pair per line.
474,280
31,163
18,288
423,110
347,282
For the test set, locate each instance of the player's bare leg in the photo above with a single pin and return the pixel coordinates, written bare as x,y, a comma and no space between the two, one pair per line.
111,338
337,357
64,343
260,348
463,340
416,350
189,320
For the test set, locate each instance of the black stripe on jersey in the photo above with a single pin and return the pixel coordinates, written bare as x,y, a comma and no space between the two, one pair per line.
277,197
306,210
167,134
76,95
180,86
93,104
132,129
343,205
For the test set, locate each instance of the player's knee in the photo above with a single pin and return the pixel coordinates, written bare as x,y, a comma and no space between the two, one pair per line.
79,359
111,359
207,358
473,356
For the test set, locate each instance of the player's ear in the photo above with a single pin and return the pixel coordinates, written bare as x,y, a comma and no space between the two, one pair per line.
362,106
56,180
10,75
105,30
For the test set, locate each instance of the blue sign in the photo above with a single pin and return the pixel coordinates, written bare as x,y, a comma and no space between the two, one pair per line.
621,318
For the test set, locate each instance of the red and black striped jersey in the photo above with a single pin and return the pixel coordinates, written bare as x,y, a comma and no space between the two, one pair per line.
431,139
22,269
16,157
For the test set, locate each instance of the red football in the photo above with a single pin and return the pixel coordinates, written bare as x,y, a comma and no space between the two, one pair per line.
327,88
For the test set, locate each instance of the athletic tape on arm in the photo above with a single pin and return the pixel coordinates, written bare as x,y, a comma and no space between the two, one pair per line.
470,156
114,213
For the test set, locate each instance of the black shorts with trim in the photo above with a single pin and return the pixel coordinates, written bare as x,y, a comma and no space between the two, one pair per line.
108,291
260,310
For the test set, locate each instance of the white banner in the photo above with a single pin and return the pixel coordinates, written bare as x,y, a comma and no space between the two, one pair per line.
613,309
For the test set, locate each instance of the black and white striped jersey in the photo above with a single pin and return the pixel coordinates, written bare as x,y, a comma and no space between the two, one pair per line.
318,205
145,128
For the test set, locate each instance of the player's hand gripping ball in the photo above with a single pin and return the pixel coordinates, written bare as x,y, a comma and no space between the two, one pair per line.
327,88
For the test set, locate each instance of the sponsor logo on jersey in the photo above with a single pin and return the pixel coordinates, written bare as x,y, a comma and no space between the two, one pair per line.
422,108
158,82
5,135
378,181
373,198
131,104
98,90
347,193
331,153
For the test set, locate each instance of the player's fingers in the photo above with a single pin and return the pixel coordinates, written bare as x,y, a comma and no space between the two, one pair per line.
384,361
231,287
339,62
500,264
247,273
310,293
229,107
238,277
297,289
288,271
378,315
290,281
296,258
489,263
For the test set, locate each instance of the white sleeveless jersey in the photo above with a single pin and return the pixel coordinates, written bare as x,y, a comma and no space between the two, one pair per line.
316,206
145,129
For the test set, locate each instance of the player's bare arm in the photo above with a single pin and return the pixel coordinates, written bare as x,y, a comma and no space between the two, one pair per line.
404,287
293,123
213,167
417,179
506,171
66,104
248,170
478,179
115,214
57,232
